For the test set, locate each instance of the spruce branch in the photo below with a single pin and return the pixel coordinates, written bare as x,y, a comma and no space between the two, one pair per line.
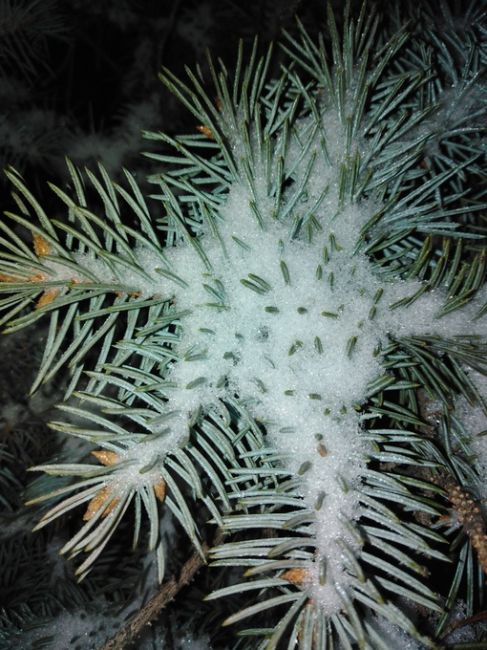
313,259
166,593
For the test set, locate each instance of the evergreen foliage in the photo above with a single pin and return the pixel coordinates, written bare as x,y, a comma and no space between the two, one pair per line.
279,336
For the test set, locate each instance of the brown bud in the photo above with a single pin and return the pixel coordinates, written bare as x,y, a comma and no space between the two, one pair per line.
205,130
48,296
101,499
41,246
106,457
160,490
9,278
296,576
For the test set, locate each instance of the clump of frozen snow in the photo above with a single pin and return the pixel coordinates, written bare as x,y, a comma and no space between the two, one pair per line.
393,637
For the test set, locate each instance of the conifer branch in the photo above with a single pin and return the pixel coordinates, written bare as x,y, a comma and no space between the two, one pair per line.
256,337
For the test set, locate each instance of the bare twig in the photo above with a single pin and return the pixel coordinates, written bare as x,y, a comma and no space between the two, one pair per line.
166,593
481,617
469,515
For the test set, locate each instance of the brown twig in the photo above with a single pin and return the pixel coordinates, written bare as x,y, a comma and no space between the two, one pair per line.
471,620
166,593
466,508
469,515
